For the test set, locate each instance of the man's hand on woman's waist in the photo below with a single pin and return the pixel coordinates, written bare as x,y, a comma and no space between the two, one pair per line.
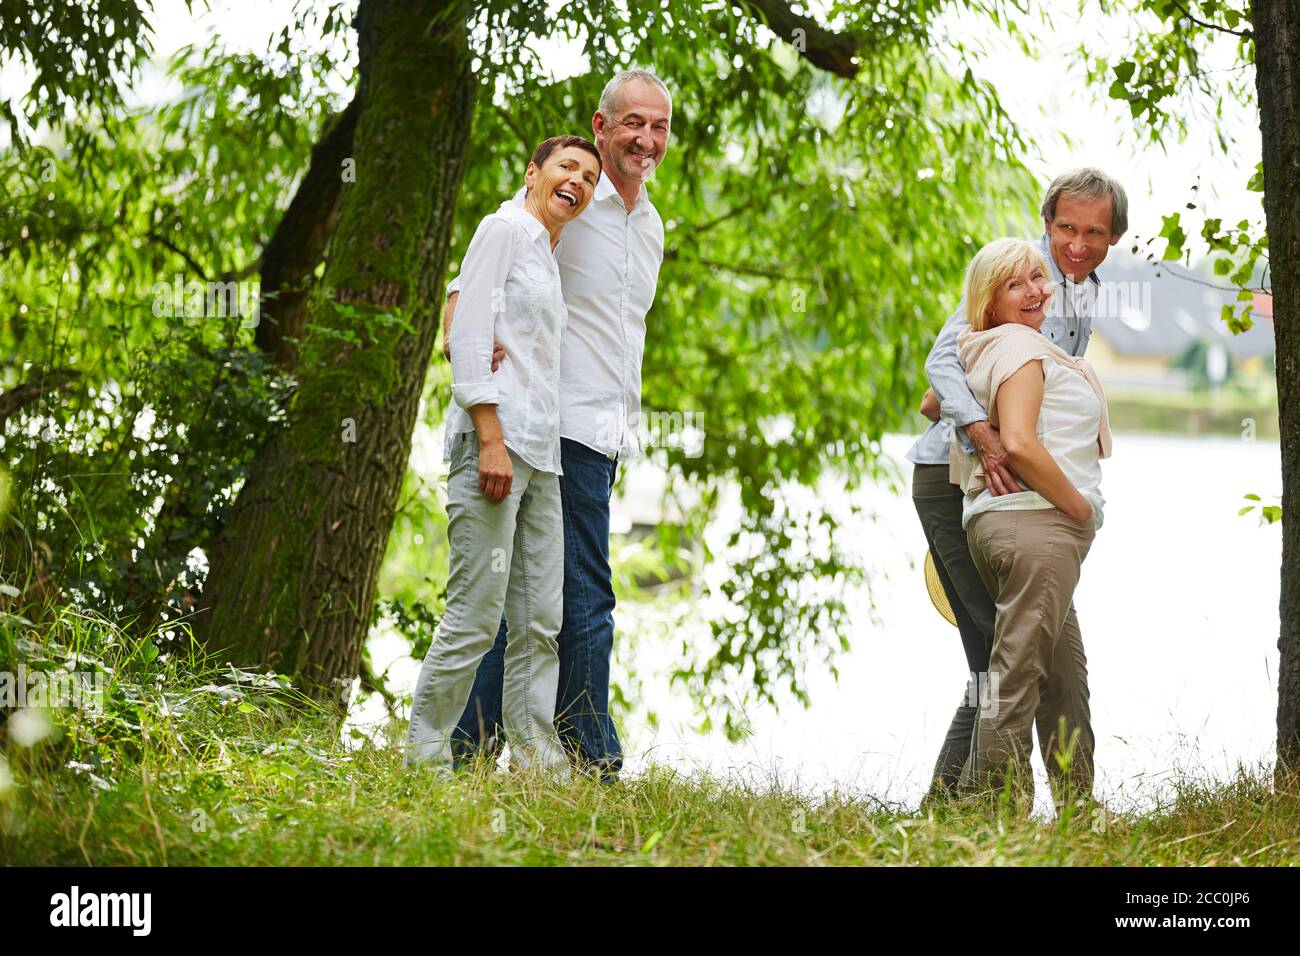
993,458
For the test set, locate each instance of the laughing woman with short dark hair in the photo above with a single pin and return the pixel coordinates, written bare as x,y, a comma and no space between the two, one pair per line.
504,520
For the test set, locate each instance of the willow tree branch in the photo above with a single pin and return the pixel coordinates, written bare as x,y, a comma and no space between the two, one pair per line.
301,236
18,396
761,272
166,243
834,52
723,217
1206,24
242,273
509,120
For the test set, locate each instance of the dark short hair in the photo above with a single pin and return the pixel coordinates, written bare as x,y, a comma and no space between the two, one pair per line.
547,146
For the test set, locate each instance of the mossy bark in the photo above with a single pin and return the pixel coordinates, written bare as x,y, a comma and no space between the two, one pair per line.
1277,70
300,238
293,576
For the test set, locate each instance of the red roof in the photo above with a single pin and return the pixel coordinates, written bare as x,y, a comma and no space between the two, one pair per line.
1263,303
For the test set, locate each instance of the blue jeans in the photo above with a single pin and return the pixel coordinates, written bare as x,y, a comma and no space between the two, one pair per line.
586,638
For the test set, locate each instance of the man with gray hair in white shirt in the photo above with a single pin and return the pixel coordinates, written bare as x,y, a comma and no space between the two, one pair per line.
609,260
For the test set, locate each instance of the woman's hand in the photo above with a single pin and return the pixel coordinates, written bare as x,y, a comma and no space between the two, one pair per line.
995,459
1080,511
495,473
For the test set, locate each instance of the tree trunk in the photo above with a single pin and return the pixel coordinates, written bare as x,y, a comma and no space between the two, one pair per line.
300,238
293,576
1277,72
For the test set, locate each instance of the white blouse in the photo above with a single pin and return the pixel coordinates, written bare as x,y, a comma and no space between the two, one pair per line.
1068,424
609,263
510,292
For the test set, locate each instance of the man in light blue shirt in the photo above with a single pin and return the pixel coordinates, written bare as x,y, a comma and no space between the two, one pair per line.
1085,213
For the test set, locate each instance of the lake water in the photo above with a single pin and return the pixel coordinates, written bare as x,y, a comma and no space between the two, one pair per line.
1178,608
1177,604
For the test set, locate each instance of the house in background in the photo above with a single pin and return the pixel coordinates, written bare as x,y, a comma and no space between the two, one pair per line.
1161,329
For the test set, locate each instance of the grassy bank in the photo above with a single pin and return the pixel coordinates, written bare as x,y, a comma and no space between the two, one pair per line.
1230,414
189,765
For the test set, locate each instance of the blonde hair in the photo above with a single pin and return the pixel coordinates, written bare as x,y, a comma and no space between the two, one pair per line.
993,265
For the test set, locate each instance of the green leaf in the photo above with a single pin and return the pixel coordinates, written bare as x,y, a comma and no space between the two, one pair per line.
759,166
1125,70
651,843
1175,248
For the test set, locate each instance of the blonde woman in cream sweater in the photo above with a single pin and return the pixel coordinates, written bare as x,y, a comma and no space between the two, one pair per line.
1029,546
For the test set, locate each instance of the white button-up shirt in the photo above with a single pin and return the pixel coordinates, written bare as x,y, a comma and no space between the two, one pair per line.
510,292
1068,323
609,267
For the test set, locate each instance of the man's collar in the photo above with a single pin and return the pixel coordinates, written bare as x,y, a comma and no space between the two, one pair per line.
605,189
1046,245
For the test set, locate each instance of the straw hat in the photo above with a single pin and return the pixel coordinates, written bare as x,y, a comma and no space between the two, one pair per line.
937,594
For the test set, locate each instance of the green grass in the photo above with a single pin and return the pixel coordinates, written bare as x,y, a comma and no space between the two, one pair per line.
187,765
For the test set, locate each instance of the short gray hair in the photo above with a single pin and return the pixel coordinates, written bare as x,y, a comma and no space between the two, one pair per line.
1089,183
611,96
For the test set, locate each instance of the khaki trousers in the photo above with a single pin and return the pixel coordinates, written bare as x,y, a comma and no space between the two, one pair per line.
1038,675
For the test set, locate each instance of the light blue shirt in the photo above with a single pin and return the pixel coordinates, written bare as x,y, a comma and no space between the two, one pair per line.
1068,324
